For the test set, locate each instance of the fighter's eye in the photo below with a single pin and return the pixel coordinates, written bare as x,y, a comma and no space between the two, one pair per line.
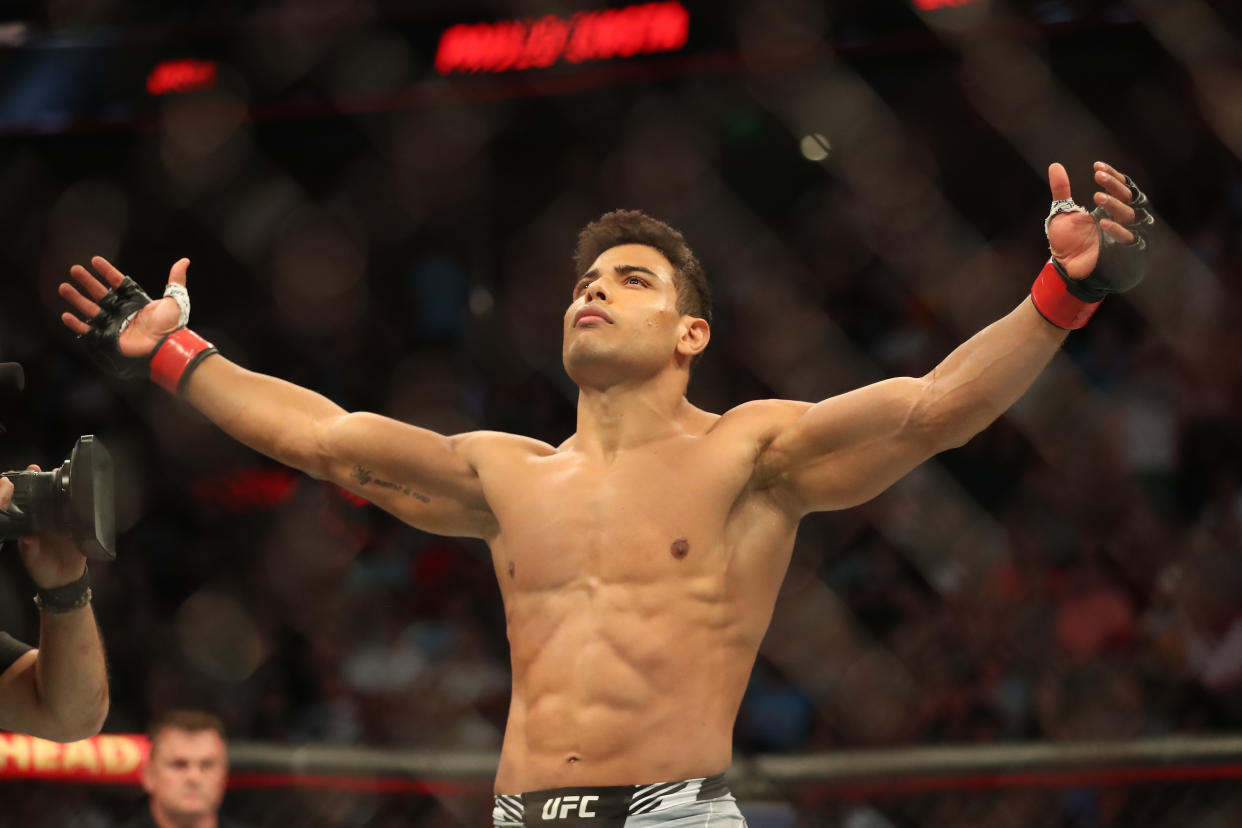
635,280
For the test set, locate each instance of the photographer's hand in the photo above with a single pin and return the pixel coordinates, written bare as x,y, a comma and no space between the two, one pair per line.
51,560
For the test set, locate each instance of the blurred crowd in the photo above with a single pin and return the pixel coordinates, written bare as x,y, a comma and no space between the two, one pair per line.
1107,600
1072,573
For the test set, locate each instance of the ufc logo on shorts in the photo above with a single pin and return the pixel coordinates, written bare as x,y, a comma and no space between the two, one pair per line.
560,807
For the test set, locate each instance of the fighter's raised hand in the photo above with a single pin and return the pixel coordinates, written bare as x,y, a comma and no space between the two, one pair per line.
151,322
1093,253
125,331
1117,205
1075,236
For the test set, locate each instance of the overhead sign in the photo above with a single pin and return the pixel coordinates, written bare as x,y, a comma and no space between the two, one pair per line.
471,48
186,75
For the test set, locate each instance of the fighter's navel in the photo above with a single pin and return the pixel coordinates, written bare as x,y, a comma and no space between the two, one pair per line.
512,569
680,548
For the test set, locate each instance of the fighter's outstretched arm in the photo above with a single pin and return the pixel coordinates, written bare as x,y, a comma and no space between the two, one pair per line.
847,449
422,477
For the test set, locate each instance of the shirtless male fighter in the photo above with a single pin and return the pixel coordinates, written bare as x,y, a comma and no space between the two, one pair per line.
639,560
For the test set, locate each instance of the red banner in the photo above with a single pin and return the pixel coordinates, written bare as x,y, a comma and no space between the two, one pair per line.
110,757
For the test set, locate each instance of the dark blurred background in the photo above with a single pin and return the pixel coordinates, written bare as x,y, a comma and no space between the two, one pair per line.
865,182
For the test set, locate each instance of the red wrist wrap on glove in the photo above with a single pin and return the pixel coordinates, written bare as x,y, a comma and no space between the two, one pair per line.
1056,304
177,354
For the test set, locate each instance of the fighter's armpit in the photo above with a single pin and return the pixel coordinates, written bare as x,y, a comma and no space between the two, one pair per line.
758,424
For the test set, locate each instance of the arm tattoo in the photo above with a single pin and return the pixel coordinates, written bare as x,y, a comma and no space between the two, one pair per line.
364,476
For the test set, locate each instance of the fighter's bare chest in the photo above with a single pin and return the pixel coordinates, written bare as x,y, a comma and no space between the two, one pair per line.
638,518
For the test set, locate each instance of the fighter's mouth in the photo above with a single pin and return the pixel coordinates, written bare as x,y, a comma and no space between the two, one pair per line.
590,313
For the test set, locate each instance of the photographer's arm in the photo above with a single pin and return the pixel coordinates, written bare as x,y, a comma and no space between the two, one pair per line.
59,691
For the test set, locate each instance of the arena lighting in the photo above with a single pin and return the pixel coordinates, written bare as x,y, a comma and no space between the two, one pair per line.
13,33
595,35
258,489
932,5
245,490
185,75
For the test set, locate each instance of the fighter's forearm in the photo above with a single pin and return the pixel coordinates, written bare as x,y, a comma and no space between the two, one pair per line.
71,678
270,415
987,374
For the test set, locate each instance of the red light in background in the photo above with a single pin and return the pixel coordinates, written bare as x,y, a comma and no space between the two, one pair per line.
247,490
259,489
597,35
347,496
187,75
933,5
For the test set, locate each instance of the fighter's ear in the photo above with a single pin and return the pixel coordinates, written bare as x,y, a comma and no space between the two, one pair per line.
694,336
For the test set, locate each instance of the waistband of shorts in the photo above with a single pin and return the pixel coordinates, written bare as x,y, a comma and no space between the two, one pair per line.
614,801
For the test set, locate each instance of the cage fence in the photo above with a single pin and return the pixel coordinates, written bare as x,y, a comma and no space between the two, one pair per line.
1145,783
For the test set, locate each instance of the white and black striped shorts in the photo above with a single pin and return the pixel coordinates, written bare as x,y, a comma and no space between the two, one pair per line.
703,803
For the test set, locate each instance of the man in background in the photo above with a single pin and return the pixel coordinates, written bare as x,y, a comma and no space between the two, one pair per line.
186,772
60,690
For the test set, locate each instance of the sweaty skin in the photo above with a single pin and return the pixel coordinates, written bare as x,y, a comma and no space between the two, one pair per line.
639,561
629,655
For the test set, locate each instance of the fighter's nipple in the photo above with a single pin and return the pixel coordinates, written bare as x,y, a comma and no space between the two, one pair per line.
680,548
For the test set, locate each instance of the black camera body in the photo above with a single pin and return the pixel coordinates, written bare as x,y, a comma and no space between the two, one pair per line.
75,500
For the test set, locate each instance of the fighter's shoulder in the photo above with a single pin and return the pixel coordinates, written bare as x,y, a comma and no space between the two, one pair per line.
760,419
481,446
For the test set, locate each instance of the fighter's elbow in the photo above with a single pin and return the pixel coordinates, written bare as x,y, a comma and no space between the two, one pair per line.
309,449
954,439
941,420
951,431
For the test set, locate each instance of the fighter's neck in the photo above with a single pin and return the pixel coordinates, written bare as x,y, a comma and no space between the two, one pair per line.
624,416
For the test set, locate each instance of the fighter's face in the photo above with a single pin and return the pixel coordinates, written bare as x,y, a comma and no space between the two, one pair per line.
623,316
187,772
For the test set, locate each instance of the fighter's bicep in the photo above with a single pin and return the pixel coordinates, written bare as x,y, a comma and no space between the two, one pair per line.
846,449
422,477
853,474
